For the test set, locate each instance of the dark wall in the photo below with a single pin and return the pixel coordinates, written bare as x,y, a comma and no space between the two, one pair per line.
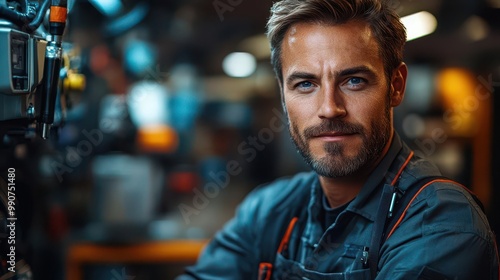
494,212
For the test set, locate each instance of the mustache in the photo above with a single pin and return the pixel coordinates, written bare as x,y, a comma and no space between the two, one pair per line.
335,125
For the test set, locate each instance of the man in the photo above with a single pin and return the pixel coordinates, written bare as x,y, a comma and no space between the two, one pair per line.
340,70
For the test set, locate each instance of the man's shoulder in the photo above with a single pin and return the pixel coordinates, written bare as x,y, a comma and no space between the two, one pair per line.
443,193
284,189
282,193
435,190
422,173
441,202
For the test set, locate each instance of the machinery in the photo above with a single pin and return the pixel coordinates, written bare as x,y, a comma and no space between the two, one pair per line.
30,59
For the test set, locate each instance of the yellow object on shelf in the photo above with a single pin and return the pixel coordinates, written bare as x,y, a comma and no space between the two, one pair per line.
157,138
74,82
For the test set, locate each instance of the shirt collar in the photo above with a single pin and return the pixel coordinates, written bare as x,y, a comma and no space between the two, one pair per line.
364,204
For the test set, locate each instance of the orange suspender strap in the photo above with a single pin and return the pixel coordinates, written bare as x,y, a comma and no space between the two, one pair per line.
401,217
265,268
396,178
385,208
286,238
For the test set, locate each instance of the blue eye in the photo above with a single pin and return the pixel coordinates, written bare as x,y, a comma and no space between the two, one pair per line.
305,85
355,81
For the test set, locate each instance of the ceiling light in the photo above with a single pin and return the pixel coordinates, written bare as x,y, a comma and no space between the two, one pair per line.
107,7
239,64
419,25
476,28
494,3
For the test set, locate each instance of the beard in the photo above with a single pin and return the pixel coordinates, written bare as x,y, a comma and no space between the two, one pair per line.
336,163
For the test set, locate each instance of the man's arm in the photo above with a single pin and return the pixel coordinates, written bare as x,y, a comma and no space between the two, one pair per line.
444,235
232,253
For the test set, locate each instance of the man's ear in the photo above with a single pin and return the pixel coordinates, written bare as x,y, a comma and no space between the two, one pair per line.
398,84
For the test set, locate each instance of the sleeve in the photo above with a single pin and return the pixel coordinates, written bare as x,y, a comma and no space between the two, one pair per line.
233,252
444,235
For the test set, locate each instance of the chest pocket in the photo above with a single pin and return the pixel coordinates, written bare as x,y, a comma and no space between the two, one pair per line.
347,259
288,269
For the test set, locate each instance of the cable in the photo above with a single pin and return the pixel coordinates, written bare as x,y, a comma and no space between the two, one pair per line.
35,23
19,18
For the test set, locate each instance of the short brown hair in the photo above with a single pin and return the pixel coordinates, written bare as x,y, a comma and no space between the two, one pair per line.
382,19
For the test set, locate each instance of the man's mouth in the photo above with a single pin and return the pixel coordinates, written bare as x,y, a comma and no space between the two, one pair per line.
333,135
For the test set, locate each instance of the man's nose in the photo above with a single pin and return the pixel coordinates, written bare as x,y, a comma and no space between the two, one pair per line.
331,103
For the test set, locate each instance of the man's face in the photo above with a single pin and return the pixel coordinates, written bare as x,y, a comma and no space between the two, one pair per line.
336,96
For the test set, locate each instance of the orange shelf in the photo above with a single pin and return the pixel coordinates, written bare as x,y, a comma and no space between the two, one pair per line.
150,252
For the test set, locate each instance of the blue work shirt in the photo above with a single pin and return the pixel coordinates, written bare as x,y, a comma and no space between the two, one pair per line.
443,235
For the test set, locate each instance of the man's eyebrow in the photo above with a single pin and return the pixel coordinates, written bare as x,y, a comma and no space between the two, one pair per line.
300,76
355,70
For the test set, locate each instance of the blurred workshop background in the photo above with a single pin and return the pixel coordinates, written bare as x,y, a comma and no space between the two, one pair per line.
173,115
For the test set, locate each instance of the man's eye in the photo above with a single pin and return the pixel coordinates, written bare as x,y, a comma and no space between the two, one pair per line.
304,85
355,81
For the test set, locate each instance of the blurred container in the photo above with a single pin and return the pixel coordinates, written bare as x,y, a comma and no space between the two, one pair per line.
126,189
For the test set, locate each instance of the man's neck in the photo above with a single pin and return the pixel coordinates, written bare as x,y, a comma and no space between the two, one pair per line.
340,191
